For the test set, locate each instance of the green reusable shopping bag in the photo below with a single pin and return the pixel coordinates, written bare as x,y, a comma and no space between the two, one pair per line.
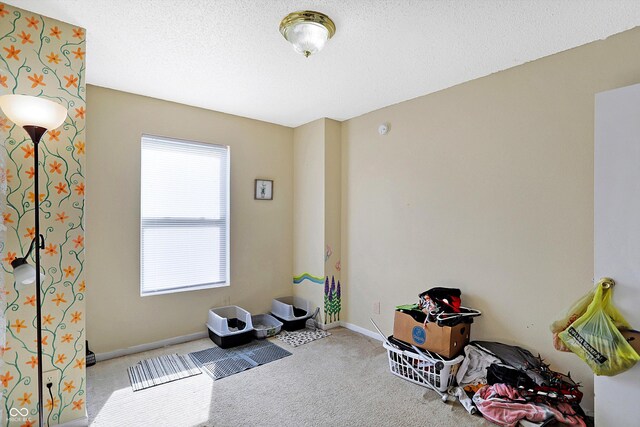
595,337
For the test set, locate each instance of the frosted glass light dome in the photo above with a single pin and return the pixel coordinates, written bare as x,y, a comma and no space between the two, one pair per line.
26,110
24,273
307,31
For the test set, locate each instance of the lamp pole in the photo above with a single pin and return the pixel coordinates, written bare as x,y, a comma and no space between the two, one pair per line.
35,115
36,132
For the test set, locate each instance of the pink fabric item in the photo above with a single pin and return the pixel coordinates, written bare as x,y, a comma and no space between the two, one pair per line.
503,405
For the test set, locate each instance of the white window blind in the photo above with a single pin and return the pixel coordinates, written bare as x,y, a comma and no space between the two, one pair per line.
184,215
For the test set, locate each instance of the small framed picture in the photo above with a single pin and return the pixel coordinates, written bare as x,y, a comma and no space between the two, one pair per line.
264,189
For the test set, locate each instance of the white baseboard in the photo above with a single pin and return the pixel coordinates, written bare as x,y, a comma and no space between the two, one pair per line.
198,335
150,346
329,325
78,422
361,330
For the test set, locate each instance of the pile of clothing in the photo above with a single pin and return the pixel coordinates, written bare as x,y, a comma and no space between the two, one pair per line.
509,384
443,306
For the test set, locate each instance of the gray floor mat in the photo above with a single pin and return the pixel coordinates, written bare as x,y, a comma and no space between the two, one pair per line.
220,363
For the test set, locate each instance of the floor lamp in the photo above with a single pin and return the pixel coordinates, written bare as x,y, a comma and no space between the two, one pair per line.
36,116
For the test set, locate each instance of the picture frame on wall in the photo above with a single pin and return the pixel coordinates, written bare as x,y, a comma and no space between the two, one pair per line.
264,189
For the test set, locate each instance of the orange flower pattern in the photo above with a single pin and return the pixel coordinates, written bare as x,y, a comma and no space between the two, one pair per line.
45,57
44,340
78,54
31,233
80,147
55,167
55,32
10,257
80,189
19,325
3,122
62,217
51,250
5,379
4,348
53,135
33,22
68,386
53,57
59,299
25,399
28,151
76,317
61,188
71,80
33,362
52,403
32,197
37,80
26,38
69,271
12,52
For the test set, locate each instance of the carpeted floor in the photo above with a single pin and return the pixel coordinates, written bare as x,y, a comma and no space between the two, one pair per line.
341,380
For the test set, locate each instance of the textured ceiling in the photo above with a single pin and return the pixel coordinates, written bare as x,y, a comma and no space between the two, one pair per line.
227,55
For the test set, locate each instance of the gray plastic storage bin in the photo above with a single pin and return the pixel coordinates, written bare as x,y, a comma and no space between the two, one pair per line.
229,326
265,325
293,312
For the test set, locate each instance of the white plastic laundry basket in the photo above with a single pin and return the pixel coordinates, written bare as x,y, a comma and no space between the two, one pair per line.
441,379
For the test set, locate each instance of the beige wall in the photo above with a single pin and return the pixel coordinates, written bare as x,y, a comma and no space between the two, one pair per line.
316,201
333,204
261,232
486,186
308,208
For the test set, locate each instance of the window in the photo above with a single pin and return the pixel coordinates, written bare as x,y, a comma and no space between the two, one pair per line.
184,216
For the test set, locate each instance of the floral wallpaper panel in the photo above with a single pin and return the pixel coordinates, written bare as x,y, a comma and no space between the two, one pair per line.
43,57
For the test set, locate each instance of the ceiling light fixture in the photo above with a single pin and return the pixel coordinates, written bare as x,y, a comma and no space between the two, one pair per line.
307,31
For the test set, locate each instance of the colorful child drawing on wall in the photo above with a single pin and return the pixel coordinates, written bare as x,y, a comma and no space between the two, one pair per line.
332,300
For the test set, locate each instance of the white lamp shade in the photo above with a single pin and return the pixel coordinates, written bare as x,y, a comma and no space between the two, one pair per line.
24,274
307,38
26,110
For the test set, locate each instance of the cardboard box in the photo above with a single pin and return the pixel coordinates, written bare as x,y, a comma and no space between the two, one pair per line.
633,338
447,341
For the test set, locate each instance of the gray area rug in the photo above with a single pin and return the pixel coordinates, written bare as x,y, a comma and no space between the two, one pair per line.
219,362
160,370
304,336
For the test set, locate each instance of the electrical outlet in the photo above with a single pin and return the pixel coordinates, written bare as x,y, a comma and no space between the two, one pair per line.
50,377
376,307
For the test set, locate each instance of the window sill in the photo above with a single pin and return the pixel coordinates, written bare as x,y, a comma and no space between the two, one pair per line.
185,289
